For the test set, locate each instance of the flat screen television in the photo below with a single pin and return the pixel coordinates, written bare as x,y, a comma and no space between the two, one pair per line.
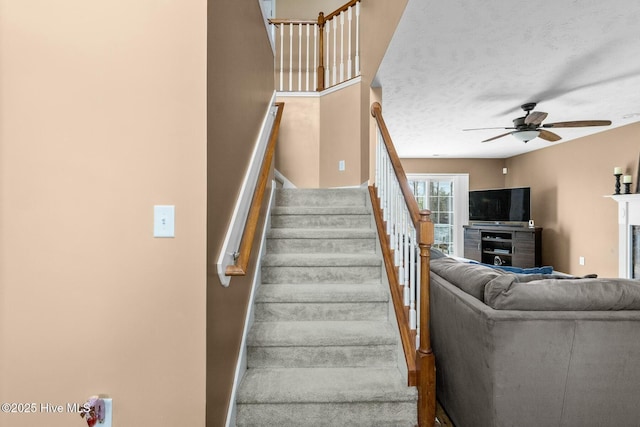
501,205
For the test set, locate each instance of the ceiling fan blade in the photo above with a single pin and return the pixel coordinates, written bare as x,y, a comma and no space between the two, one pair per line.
496,137
488,128
549,136
535,117
578,124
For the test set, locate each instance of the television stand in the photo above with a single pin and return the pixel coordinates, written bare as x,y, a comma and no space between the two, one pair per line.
507,245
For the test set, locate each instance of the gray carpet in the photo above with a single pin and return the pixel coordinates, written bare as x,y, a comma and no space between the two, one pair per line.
322,350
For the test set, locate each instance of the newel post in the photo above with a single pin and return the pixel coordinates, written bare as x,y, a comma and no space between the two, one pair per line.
425,360
321,22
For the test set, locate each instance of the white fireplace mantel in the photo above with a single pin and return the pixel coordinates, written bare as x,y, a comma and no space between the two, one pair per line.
628,215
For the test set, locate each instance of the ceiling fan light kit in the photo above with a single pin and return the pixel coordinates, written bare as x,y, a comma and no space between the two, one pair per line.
525,135
530,126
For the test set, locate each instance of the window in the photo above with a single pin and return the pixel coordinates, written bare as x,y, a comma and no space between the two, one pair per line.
447,197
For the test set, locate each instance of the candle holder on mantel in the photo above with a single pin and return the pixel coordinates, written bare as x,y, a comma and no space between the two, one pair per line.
626,180
617,175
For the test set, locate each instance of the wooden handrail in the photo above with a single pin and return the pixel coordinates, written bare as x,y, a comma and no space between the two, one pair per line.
341,9
246,243
410,200
292,21
424,357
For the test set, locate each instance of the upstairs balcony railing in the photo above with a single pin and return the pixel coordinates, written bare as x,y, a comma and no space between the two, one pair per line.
406,237
312,55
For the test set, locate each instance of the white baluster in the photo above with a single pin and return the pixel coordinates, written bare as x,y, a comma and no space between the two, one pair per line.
358,39
307,67
412,280
392,213
341,46
399,203
315,57
385,211
407,267
382,179
405,258
387,198
401,269
377,171
416,294
396,221
389,192
378,159
291,57
349,62
335,49
299,57
281,57
327,66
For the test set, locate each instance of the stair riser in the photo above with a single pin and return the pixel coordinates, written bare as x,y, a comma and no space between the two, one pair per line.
321,246
321,221
325,357
318,275
320,198
363,414
272,312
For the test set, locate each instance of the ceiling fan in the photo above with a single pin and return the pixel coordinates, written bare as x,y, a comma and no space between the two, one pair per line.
530,126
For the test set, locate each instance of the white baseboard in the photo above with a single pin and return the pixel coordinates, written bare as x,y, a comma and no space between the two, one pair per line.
241,365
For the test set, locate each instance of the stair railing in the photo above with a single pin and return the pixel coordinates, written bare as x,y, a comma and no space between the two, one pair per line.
406,234
318,53
239,262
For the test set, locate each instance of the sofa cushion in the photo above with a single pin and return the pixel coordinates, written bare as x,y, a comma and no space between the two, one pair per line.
507,293
436,254
471,278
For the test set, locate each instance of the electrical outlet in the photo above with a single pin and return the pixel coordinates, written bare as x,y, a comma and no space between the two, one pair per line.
341,166
581,260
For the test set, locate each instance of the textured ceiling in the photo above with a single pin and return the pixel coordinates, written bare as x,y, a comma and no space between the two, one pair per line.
456,64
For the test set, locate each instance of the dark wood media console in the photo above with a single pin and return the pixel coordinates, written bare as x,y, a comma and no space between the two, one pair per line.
504,245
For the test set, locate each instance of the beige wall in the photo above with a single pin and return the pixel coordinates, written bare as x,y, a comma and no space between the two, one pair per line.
483,173
298,149
305,9
568,182
102,115
240,87
340,133
316,133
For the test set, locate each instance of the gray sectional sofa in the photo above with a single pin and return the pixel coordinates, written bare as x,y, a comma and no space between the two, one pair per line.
534,350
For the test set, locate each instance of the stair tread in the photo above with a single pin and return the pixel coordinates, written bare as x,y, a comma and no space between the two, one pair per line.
321,333
321,197
288,293
320,260
321,233
324,385
320,210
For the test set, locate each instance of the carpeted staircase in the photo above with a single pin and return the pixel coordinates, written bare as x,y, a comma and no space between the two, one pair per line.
323,350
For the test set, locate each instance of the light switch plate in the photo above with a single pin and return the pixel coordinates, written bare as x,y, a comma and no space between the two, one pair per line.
164,221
